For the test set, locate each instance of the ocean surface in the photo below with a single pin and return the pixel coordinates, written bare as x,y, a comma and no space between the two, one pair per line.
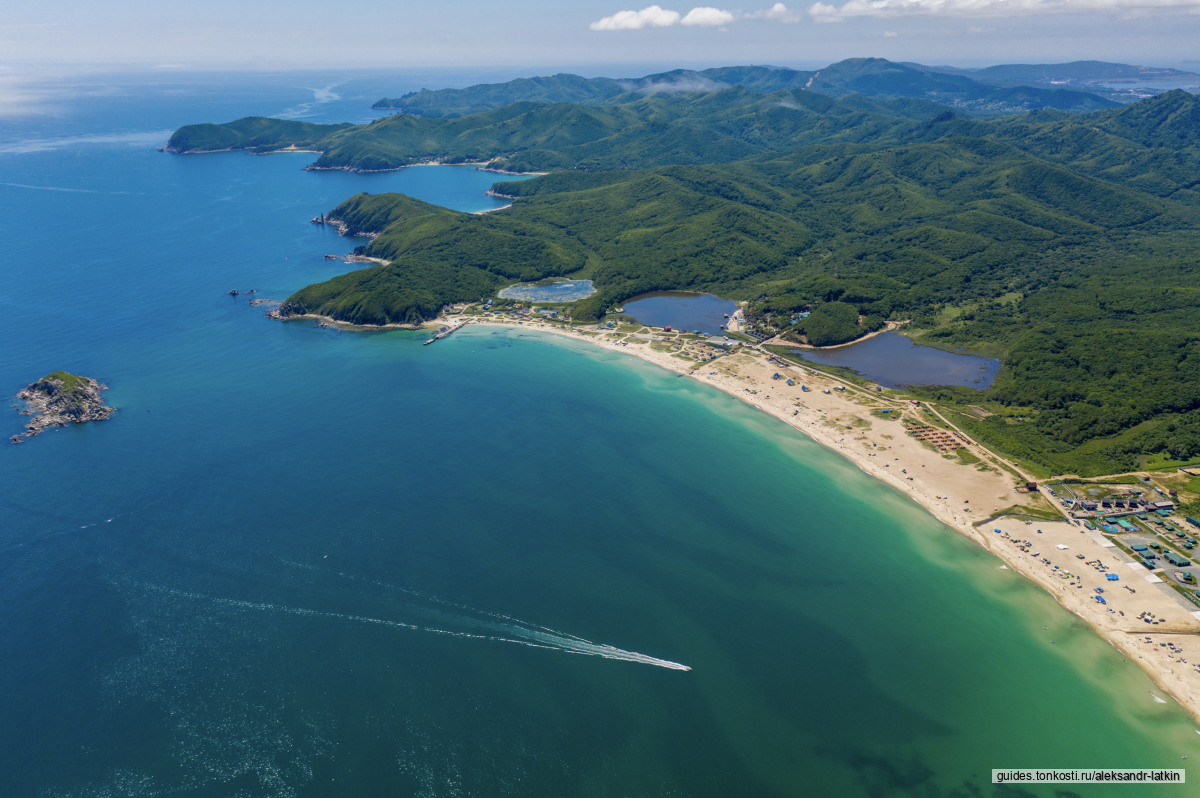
302,562
894,361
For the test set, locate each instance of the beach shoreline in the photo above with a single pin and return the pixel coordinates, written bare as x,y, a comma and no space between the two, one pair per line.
956,494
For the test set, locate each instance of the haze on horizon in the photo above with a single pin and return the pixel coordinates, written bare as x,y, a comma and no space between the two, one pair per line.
539,33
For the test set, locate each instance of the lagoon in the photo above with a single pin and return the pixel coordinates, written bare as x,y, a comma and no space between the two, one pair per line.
894,361
568,291
683,311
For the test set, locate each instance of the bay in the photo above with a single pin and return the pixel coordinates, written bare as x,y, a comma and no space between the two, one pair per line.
309,562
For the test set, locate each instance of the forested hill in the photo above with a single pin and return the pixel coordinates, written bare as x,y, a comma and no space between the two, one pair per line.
254,133
870,77
1064,244
1152,145
645,131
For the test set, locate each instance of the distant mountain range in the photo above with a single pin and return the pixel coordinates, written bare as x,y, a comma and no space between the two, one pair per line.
983,93
1073,71
1121,83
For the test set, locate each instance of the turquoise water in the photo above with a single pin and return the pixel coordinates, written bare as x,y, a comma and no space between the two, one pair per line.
302,562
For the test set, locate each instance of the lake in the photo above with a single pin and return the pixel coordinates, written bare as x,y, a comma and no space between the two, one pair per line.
683,311
894,361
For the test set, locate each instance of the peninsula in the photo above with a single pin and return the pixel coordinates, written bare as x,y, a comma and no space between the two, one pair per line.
59,398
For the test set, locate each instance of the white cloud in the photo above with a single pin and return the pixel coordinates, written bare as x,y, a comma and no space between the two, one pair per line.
823,13
778,12
994,8
974,29
650,17
704,15
887,34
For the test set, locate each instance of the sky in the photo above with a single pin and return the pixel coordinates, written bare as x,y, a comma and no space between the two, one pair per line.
272,34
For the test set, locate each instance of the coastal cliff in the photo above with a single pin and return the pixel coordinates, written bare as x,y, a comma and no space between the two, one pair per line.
59,398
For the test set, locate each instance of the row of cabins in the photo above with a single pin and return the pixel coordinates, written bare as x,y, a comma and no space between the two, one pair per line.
1135,505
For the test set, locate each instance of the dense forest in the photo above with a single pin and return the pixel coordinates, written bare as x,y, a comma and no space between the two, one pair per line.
1065,244
869,77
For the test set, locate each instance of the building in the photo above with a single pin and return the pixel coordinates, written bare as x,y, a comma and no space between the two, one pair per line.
1177,560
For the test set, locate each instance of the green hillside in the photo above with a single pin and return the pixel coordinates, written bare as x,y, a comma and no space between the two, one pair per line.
1139,144
452,103
878,77
872,77
251,133
1063,243
639,132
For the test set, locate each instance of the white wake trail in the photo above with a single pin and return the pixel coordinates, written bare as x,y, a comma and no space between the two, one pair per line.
534,638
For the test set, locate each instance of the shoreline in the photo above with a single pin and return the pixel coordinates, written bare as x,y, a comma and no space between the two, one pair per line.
777,341
746,375
481,166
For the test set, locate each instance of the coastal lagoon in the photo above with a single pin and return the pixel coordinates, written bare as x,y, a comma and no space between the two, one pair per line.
304,562
683,311
569,291
894,361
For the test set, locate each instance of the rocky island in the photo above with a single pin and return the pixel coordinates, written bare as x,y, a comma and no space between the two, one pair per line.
59,398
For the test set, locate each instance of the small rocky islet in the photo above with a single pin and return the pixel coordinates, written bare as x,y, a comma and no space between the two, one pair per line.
59,398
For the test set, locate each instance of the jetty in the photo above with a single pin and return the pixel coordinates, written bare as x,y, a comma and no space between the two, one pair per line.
445,331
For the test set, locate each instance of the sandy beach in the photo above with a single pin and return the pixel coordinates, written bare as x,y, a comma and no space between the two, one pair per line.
974,495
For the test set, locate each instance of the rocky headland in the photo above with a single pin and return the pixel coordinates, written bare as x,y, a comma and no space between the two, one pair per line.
59,398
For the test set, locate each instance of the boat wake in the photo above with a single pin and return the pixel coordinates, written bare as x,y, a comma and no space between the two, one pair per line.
493,628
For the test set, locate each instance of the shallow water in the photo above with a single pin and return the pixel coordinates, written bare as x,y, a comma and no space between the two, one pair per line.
697,312
557,292
306,562
894,361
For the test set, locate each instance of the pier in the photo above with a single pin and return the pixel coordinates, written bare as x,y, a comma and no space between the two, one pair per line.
445,331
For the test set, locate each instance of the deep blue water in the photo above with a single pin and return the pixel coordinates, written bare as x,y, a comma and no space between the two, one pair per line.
894,361
307,562
703,312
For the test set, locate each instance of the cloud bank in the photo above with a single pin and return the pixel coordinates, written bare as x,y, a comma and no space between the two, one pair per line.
778,11
701,16
994,8
706,16
651,17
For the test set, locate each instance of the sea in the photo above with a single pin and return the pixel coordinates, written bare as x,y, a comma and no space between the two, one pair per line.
311,562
